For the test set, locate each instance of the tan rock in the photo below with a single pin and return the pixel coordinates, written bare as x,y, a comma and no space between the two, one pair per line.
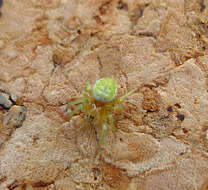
138,153
35,152
49,49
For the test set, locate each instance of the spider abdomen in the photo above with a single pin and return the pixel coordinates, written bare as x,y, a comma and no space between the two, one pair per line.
105,90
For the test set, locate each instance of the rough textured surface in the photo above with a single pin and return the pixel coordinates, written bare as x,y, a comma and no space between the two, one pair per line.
5,102
50,48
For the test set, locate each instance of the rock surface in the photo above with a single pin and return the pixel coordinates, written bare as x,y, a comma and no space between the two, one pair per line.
49,49
5,102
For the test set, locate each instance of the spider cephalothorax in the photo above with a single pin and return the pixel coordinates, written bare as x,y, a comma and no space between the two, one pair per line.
99,102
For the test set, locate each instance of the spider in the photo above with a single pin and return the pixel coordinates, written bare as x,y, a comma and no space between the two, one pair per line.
99,103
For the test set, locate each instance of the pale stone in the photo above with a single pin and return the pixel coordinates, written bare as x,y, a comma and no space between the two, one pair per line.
5,102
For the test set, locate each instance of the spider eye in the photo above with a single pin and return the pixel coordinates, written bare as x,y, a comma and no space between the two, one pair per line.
105,90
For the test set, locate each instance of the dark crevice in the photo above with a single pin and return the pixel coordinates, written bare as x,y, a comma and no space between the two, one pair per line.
3,179
147,34
185,130
202,6
103,9
96,172
178,105
13,185
98,20
100,63
181,117
122,6
169,109
42,184
79,31
24,187
12,100
137,13
1,3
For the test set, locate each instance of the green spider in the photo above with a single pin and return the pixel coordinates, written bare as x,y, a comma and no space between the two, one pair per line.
99,103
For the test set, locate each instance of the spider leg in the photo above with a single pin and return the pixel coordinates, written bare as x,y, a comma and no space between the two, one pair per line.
111,122
122,98
89,89
104,130
77,109
74,102
117,107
